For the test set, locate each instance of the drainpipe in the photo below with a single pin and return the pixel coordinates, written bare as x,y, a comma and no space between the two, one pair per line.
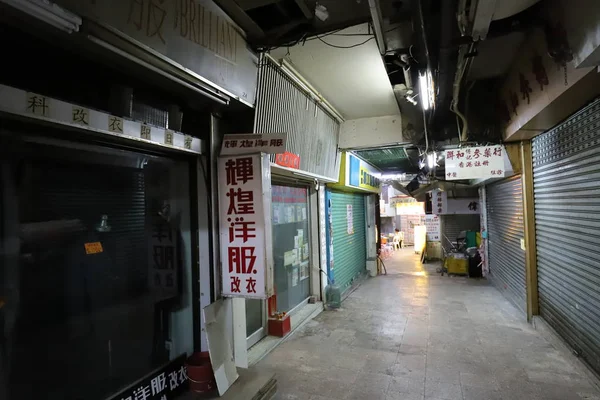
375,10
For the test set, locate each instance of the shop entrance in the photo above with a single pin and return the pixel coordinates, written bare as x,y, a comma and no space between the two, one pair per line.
97,291
291,258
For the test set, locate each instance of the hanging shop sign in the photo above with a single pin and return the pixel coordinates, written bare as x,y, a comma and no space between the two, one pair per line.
432,222
47,109
358,174
245,225
288,160
270,143
442,205
475,163
196,34
439,202
166,383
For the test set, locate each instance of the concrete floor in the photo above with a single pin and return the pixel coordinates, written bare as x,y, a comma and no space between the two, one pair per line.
414,335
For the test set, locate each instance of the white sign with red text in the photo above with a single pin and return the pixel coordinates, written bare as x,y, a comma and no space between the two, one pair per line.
270,143
475,162
243,187
432,222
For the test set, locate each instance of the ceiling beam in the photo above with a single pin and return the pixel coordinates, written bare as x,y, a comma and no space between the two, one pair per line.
251,4
304,8
240,17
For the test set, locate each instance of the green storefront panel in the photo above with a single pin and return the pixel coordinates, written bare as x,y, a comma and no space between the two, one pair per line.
349,249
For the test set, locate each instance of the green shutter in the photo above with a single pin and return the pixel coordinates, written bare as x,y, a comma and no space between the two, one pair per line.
349,250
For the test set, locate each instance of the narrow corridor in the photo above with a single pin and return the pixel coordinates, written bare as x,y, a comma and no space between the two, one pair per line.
413,335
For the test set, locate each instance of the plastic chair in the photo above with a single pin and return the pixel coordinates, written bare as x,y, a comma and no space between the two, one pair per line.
398,240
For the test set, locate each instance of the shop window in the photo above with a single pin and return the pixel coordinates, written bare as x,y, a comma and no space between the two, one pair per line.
97,290
291,245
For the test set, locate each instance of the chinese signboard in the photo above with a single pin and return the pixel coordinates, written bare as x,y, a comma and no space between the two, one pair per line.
36,106
196,34
244,190
439,202
272,143
288,160
356,173
536,80
432,222
163,258
166,383
475,163
442,205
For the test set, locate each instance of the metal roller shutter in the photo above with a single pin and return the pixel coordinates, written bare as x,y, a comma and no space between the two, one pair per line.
566,171
453,224
505,231
349,250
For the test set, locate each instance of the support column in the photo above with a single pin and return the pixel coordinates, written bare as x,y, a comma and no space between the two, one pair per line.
530,240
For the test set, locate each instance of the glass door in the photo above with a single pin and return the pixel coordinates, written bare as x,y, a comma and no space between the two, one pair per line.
256,321
291,246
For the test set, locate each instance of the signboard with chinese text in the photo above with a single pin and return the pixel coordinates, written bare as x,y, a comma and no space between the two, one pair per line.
245,225
475,163
271,143
442,205
163,257
35,106
357,174
288,160
195,34
432,222
166,383
439,202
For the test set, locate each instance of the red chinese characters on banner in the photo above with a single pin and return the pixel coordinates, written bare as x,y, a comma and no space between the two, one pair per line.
475,162
241,234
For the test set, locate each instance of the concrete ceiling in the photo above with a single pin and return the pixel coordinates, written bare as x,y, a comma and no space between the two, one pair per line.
353,80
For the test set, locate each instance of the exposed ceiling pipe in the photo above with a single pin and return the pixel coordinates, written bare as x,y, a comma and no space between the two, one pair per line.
463,62
447,54
420,22
375,10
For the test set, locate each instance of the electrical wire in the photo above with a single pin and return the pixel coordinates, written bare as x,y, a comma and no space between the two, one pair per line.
346,47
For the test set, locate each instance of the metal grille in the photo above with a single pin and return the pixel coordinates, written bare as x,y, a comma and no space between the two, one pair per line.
452,225
566,171
349,250
282,106
505,230
150,115
88,192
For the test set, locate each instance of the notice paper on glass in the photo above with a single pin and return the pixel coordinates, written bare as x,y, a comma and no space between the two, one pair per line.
349,218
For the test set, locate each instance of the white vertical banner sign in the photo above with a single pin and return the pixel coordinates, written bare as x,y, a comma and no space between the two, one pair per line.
350,219
432,222
245,226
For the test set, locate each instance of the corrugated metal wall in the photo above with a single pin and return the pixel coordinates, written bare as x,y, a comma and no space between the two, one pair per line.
349,250
505,230
566,171
452,225
282,106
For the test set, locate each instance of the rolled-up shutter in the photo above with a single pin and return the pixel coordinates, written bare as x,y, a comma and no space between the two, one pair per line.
505,231
453,224
349,249
566,170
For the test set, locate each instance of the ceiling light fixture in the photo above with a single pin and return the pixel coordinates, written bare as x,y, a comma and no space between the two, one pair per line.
426,90
431,160
49,13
